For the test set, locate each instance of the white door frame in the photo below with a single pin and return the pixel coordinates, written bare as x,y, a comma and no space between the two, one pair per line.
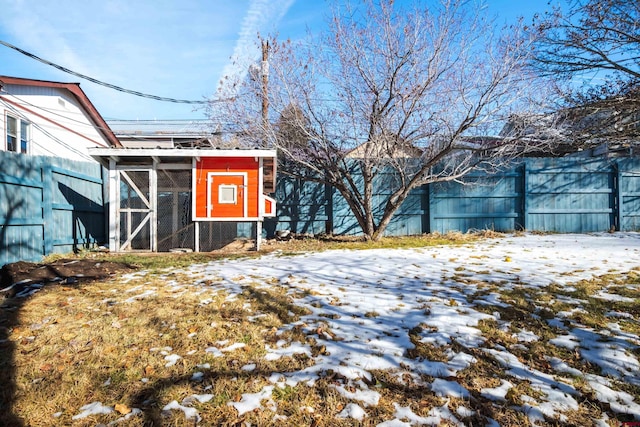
210,178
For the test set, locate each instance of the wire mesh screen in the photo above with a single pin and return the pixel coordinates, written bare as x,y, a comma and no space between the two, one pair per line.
217,235
175,228
134,190
135,231
135,210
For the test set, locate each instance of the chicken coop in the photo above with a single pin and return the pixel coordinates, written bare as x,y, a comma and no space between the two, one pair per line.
171,199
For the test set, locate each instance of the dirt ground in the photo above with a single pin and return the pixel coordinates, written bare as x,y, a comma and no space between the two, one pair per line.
21,278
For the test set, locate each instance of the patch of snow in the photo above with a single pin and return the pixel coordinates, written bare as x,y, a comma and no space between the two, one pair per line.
613,356
405,412
172,359
556,323
561,366
354,411
233,347
612,297
214,351
526,336
134,413
451,322
145,294
367,397
444,388
465,412
557,396
280,351
202,398
497,394
394,423
568,341
425,290
492,300
94,408
253,401
619,401
189,413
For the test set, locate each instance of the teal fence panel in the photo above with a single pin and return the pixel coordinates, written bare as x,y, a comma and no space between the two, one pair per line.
408,220
302,207
628,179
566,195
481,202
48,205
77,210
569,195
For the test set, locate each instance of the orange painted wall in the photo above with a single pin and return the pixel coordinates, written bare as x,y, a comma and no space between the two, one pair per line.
227,164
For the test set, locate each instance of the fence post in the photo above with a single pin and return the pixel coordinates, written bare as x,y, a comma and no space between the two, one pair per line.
328,201
424,206
47,207
430,207
617,197
525,197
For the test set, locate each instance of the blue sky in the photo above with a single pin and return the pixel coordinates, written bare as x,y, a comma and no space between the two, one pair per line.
177,49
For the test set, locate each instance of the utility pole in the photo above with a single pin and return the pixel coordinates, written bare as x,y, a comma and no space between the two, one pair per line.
265,116
265,82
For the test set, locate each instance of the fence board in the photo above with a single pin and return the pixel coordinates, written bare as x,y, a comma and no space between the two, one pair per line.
570,195
48,205
481,202
303,207
629,194
575,195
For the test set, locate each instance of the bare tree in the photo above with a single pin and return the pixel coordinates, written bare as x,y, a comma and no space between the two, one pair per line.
414,94
594,46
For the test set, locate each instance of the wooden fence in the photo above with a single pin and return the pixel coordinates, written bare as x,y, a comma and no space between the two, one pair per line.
48,205
566,195
52,205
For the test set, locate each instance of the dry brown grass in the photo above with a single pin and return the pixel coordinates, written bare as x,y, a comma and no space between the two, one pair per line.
68,346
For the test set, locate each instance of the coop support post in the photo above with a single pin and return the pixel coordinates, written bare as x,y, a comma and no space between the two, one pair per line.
114,203
196,235
153,199
258,234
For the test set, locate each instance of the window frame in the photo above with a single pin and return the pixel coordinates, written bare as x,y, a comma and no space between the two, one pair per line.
17,138
223,193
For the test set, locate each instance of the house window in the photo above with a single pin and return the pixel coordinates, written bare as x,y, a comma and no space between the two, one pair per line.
24,137
17,135
227,194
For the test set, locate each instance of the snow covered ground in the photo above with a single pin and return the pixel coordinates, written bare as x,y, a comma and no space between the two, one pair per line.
364,306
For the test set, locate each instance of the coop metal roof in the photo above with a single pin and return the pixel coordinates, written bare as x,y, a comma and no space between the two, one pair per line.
173,155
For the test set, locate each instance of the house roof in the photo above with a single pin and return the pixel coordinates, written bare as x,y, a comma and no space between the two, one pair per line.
161,128
78,93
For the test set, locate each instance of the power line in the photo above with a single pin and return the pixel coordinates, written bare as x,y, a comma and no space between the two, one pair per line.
45,132
187,123
109,85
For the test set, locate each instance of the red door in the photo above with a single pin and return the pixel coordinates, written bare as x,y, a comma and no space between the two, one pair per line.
226,196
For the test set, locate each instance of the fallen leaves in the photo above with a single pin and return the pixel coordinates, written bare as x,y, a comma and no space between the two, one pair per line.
122,409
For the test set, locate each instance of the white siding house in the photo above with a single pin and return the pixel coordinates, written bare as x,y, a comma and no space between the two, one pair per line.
51,119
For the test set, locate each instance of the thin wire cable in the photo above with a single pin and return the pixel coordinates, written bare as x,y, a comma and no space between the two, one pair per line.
120,134
33,141
109,85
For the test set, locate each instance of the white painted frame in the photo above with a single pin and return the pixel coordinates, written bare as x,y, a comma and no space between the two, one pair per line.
226,198
245,198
